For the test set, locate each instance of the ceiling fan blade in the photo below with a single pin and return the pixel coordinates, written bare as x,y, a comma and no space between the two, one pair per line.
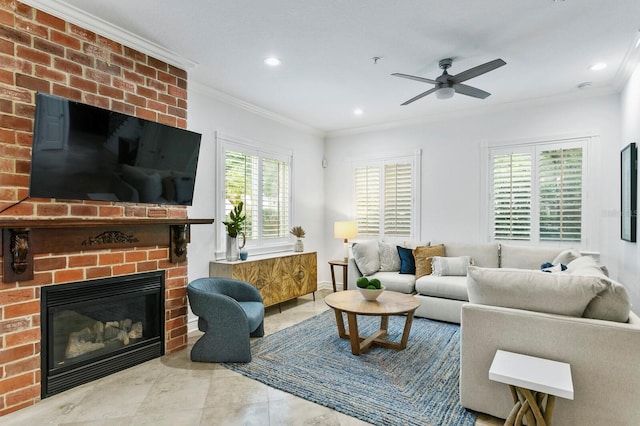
470,91
413,77
476,71
421,95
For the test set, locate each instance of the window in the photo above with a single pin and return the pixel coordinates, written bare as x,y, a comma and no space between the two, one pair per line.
261,180
537,192
386,197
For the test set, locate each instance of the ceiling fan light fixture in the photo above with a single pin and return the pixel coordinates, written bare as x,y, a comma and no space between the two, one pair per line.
272,61
445,93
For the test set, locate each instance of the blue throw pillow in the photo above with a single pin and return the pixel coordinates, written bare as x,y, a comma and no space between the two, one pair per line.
407,261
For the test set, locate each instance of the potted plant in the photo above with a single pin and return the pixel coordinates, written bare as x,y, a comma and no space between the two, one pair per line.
234,228
299,233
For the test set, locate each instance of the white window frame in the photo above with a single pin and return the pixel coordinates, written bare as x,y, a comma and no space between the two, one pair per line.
258,246
415,160
590,146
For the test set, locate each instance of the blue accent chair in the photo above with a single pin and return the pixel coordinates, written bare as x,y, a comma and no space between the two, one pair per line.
230,311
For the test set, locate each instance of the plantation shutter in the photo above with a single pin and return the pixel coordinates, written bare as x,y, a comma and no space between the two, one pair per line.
560,186
512,196
397,199
241,184
275,198
367,194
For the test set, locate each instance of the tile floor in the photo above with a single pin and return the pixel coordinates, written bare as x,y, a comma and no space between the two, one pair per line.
172,390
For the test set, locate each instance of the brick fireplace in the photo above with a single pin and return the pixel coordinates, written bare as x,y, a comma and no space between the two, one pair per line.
42,53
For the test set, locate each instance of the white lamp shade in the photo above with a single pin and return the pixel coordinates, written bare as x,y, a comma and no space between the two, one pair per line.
445,92
345,230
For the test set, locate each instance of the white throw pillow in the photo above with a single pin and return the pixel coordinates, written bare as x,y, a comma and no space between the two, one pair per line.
450,266
366,256
563,294
389,258
566,256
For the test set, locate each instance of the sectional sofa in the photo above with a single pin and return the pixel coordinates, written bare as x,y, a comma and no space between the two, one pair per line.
442,296
574,314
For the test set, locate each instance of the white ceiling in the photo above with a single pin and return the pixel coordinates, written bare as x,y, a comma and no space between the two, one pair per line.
327,46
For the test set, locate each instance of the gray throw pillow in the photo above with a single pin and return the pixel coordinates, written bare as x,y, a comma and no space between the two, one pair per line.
389,258
366,256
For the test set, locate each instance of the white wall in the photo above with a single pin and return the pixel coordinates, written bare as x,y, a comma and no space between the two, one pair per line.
451,165
207,115
451,169
628,254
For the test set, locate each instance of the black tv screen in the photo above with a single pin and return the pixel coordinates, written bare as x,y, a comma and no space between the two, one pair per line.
82,152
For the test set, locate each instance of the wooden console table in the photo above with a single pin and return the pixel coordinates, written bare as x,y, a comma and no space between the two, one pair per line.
279,277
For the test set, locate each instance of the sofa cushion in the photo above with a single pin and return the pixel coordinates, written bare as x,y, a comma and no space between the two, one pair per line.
611,304
411,244
563,294
366,256
586,265
393,281
389,258
407,262
423,256
485,254
525,257
450,287
450,266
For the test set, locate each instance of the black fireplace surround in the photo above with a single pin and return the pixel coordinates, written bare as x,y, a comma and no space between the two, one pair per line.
94,328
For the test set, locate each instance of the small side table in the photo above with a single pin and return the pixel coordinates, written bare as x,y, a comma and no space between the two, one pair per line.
345,267
531,381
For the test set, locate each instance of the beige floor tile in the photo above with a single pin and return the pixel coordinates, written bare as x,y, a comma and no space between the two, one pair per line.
256,414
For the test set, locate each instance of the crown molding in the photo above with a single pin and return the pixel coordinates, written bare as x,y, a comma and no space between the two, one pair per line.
81,18
228,99
629,63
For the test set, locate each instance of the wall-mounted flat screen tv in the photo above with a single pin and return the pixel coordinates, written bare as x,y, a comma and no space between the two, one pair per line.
82,152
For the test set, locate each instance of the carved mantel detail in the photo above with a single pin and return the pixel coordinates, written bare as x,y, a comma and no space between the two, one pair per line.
110,237
21,239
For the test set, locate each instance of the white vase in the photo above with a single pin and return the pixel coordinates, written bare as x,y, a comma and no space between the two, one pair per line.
299,246
233,248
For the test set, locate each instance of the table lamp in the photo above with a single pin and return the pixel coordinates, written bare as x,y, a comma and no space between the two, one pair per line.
345,230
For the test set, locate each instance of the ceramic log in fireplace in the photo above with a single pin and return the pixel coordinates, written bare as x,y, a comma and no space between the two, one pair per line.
94,328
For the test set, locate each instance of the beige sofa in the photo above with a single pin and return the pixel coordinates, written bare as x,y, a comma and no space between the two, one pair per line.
578,316
441,297
603,356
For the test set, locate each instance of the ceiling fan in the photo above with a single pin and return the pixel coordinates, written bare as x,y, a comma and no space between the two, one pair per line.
447,84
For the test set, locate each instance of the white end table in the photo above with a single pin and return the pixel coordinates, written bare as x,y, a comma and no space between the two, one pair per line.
531,380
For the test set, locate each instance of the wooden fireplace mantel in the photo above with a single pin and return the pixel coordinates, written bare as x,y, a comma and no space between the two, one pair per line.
22,238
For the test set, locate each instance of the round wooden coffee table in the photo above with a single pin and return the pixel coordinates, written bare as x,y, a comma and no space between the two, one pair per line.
388,303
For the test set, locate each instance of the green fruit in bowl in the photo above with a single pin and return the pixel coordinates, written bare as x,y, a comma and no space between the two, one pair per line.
362,282
371,287
375,282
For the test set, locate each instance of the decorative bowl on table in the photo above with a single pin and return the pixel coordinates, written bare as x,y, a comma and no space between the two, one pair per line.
369,289
371,294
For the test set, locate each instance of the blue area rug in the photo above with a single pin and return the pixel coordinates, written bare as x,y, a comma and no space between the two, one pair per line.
415,386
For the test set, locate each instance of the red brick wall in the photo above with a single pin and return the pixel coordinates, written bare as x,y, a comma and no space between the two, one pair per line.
42,53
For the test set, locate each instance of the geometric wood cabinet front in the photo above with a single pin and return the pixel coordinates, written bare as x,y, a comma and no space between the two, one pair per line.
278,278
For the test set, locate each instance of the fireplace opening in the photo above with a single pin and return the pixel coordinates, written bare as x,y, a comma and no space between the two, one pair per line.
91,329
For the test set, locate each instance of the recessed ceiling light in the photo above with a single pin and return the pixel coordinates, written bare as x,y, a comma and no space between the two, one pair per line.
272,61
597,67
358,111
